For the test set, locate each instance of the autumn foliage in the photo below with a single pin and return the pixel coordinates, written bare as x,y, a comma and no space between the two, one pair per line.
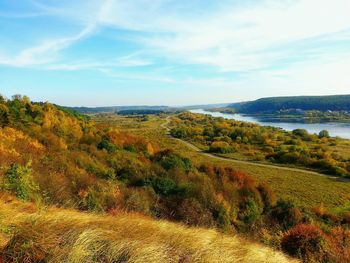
52,156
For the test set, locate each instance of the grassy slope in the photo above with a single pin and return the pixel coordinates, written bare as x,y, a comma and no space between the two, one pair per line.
58,235
306,190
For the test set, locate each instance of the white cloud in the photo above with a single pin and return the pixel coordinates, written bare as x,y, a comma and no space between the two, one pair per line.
229,37
46,51
246,39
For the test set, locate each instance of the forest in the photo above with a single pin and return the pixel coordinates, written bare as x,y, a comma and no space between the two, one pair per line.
54,157
275,104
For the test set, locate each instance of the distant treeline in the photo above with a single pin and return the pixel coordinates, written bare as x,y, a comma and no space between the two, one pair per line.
139,112
118,109
274,104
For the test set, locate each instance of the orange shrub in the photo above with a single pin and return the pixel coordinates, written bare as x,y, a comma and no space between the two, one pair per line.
307,242
241,179
339,245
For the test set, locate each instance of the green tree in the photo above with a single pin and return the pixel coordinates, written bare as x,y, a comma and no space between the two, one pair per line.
323,134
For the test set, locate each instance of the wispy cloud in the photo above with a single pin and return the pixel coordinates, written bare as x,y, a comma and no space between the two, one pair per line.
230,37
238,39
46,51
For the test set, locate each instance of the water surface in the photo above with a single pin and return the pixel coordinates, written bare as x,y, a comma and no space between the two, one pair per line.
334,128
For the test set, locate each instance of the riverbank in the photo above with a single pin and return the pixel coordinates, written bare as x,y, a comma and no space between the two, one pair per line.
335,129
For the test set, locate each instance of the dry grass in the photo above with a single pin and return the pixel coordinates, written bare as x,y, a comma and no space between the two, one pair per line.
58,235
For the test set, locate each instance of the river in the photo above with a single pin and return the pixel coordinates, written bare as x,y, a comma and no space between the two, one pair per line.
334,128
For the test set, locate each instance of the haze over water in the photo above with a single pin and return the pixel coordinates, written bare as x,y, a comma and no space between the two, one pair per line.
335,128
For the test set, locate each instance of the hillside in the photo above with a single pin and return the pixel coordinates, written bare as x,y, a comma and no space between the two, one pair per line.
54,157
61,235
274,104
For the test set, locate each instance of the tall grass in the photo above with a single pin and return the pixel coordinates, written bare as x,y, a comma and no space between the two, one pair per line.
59,235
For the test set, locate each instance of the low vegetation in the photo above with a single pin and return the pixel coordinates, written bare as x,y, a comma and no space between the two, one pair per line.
253,142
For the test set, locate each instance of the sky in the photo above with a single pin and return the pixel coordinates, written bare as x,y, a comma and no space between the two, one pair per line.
172,52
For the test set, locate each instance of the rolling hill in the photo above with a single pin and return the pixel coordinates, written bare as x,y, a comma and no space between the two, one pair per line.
274,104
80,189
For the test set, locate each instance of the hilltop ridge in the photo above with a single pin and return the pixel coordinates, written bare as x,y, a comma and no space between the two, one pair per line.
274,104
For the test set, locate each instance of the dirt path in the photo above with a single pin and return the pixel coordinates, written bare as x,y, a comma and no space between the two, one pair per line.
196,149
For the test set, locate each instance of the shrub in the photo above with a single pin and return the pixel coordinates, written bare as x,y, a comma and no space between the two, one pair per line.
164,186
178,133
170,160
130,148
222,216
323,134
241,179
220,147
100,171
338,171
107,145
339,245
326,216
300,132
307,242
251,212
140,200
90,200
292,157
191,212
267,195
18,179
286,214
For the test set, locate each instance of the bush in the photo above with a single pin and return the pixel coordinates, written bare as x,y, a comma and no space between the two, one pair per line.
292,157
339,245
100,171
267,195
18,179
91,201
220,147
130,148
251,212
191,212
139,200
323,134
300,132
307,242
286,214
164,186
169,160
336,170
178,133
222,216
107,145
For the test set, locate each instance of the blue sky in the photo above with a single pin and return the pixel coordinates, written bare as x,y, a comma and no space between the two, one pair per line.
173,52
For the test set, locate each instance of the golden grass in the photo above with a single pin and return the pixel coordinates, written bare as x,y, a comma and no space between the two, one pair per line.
59,235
